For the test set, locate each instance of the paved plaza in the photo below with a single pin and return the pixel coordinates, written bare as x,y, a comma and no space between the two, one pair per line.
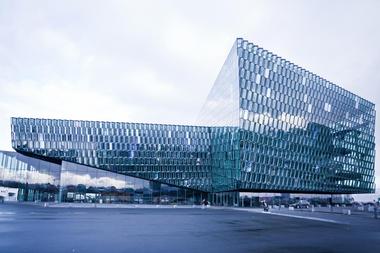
34,228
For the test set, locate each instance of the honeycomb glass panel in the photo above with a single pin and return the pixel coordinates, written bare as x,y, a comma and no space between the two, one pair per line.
267,125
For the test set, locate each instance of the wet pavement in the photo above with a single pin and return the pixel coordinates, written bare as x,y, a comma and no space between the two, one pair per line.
32,228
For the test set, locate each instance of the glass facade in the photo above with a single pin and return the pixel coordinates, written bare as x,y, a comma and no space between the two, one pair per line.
32,179
221,107
301,132
177,155
267,125
25,178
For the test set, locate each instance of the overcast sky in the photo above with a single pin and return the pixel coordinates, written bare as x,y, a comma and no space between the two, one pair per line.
155,61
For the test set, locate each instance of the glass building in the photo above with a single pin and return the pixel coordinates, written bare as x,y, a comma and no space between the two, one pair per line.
25,178
293,130
266,126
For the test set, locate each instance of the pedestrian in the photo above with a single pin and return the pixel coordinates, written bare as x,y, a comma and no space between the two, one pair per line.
375,209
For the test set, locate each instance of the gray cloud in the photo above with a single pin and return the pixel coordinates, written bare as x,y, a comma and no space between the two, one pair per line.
155,61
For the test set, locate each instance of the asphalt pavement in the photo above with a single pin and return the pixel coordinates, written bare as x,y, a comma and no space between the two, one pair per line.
33,228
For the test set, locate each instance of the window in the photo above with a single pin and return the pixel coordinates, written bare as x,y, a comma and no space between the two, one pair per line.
309,108
266,74
327,107
258,79
268,92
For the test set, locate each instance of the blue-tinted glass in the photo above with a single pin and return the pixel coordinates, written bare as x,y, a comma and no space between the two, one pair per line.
268,125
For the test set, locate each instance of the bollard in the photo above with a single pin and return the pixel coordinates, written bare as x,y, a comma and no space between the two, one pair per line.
346,211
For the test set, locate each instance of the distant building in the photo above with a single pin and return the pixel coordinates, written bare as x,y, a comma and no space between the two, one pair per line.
266,126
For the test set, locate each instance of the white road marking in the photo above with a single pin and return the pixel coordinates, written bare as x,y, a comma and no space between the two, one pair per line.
7,213
290,215
305,217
